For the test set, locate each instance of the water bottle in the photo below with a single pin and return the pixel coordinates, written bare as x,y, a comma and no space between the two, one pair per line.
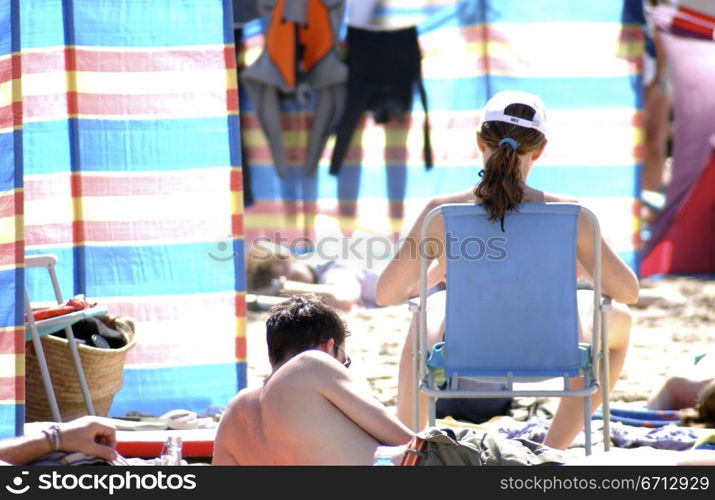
171,452
383,456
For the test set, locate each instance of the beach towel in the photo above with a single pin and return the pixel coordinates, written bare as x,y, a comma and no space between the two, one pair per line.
642,417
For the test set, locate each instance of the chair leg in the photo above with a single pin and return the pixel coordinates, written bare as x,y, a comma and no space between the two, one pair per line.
74,351
431,410
587,415
415,375
42,362
605,387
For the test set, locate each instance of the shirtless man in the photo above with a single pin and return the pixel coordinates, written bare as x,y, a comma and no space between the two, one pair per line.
312,411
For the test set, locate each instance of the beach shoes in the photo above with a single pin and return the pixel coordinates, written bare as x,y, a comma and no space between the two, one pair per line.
180,419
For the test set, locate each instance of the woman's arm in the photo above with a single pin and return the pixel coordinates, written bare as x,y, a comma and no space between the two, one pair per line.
399,280
618,281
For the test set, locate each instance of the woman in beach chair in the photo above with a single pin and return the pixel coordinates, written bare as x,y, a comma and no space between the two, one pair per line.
511,138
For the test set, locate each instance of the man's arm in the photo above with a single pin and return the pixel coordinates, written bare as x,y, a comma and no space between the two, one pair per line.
338,386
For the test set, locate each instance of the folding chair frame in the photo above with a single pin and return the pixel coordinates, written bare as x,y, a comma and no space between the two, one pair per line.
48,262
424,381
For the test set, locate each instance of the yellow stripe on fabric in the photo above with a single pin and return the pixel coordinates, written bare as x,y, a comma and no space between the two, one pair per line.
12,365
6,91
11,228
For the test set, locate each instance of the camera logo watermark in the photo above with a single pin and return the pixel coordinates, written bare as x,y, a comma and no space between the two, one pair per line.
17,487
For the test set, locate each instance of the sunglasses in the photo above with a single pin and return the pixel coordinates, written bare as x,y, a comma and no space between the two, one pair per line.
347,361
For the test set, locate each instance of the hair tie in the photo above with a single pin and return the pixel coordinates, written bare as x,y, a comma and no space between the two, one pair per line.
509,141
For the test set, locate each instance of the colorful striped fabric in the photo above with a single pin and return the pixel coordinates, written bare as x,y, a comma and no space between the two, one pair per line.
583,58
12,333
131,171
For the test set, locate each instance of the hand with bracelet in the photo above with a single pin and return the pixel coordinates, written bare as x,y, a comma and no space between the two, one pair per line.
88,435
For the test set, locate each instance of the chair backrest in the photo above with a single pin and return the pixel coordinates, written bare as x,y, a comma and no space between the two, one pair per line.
511,295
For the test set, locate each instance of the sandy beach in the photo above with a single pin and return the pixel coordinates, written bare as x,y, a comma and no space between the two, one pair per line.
673,321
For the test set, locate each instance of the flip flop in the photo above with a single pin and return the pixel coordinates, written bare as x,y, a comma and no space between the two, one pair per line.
180,419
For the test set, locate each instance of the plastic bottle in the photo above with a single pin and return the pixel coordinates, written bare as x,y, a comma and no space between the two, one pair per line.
171,453
383,456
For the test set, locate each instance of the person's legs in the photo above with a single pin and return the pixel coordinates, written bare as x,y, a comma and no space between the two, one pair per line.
405,380
568,420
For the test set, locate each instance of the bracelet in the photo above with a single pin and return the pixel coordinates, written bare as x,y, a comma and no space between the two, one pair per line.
52,433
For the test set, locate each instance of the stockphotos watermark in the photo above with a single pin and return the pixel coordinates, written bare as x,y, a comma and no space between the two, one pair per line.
68,479
375,248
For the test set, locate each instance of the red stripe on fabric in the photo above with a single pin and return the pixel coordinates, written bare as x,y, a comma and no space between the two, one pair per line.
241,350
49,234
237,224
232,100
12,388
12,254
240,305
236,180
11,115
11,203
229,57
684,24
10,68
112,104
51,60
51,106
697,14
12,341
118,231
175,182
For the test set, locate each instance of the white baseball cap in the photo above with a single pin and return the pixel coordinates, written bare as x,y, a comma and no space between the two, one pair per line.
494,109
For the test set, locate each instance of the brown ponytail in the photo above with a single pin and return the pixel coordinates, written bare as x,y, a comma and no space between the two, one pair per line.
502,188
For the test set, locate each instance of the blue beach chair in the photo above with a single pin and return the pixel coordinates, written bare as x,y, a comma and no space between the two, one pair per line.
511,309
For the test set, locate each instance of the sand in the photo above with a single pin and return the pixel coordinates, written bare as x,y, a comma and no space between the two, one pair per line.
673,321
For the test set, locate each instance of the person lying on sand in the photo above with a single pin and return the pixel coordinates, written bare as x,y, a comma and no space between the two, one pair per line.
272,269
692,391
311,410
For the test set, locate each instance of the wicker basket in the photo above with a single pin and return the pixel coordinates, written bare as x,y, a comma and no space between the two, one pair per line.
103,369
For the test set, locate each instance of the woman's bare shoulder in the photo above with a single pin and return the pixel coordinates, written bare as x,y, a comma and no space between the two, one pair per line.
460,197
560,198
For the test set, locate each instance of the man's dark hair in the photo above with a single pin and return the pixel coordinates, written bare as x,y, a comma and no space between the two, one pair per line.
300,323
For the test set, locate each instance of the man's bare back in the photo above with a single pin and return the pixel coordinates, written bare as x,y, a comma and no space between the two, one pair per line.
299,417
